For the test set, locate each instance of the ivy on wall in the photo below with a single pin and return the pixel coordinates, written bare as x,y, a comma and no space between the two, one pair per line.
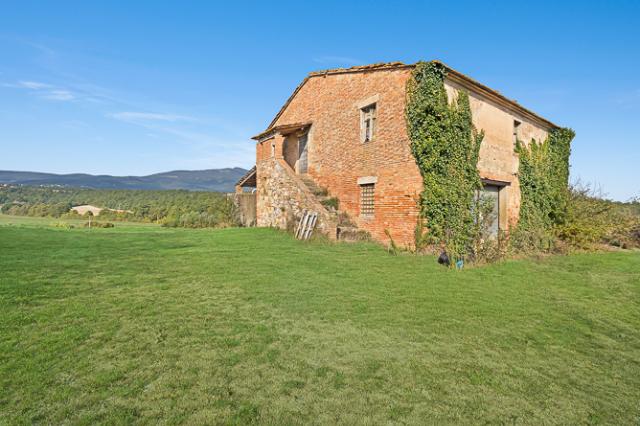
446,148
544,181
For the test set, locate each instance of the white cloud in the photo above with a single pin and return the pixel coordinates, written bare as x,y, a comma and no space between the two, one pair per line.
192,132
33,85
44,90
59,95
130,116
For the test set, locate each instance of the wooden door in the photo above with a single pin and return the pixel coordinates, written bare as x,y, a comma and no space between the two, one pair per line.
302,154
490,198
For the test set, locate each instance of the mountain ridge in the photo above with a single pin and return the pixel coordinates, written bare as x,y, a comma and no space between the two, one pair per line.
221,180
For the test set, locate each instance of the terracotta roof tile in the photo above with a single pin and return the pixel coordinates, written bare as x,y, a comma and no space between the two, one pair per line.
380,66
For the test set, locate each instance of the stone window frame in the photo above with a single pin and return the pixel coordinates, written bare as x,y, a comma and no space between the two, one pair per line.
368,112
367,186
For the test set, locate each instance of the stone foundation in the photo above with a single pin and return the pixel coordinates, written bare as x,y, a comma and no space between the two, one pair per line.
282,197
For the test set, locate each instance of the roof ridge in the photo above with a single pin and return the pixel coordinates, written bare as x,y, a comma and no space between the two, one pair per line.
358,68
487,91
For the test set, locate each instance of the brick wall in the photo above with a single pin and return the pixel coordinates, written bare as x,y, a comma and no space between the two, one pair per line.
337,157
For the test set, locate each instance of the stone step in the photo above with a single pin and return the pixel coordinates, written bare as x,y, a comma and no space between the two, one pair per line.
313,186
352,234
310,183
345,224
345,220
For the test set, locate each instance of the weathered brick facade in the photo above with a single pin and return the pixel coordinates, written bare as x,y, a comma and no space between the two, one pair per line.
327,106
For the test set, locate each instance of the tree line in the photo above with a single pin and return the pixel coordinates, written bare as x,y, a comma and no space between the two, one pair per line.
179,208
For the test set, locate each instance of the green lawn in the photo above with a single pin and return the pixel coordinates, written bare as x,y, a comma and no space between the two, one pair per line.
148,325
6,219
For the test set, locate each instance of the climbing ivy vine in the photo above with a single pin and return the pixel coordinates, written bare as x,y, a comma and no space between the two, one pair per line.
544,181
446,148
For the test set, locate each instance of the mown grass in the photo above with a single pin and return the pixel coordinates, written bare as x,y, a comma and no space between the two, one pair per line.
148,325
6,219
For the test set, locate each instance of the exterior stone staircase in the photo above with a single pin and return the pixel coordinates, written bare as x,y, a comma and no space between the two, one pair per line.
346,229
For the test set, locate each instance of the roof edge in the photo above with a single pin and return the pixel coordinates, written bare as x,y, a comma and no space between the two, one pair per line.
452,74
281,128
494,95
379,66
246,176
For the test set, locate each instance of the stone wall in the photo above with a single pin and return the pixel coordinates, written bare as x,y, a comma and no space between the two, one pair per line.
246,204
281,198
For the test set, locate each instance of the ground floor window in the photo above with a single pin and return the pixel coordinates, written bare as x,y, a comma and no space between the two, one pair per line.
367,192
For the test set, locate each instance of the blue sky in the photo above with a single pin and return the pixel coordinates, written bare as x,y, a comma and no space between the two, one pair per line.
141,87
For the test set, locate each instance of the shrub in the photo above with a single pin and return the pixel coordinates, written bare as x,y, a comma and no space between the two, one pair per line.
320,191
592,220
63,225
228,213
331,203
98,225
485,247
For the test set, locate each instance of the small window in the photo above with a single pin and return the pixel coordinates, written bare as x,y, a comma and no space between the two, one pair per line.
368,123
273,150
367,192
516,128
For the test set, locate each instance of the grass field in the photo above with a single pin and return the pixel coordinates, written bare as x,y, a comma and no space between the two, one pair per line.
6,219
148,325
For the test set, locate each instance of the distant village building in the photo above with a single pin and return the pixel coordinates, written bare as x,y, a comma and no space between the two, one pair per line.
95,211
344,130
84,209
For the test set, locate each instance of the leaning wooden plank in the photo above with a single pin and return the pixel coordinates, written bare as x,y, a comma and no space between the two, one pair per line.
303,230
315,220
308,225
305,222
311,224
299,227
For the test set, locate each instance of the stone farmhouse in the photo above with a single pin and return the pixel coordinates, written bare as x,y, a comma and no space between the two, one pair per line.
342,135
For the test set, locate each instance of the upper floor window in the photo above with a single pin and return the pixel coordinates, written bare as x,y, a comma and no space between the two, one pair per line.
516,129
368,123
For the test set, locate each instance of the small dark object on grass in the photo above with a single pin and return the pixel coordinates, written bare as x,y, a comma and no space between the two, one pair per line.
443,259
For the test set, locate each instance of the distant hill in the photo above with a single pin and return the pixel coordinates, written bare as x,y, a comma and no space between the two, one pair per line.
222,180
